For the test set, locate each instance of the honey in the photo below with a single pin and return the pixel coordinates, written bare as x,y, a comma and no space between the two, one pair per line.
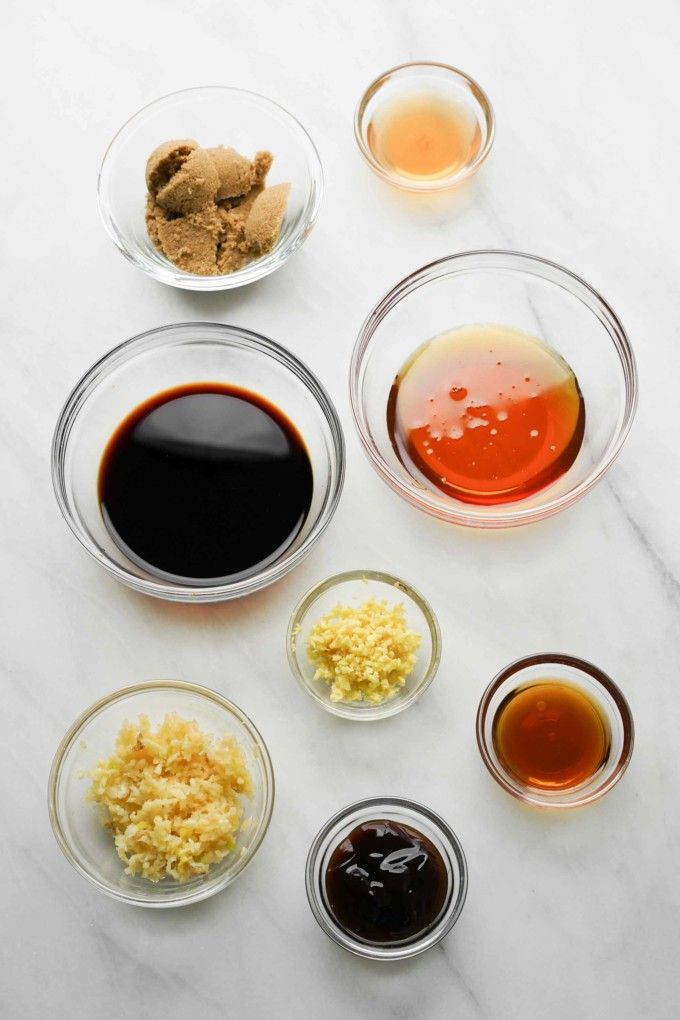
486,414
550,736
424,136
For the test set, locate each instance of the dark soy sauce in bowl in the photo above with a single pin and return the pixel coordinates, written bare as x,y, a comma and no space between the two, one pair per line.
205,483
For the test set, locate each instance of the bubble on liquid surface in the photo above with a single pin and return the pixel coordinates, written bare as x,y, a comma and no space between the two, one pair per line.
458,393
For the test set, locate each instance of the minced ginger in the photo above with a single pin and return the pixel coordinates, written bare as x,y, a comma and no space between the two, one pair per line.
170,797
364,653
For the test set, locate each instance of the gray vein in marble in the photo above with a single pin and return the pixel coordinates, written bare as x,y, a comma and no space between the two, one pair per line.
667,578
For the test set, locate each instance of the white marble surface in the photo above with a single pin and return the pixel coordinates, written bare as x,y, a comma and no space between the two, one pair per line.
566,916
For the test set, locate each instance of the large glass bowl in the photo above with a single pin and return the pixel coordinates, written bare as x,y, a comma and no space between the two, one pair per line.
509,289
159,360
88,845
212,116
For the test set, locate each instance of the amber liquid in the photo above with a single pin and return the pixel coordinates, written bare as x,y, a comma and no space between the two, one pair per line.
486,414
424,136
550,736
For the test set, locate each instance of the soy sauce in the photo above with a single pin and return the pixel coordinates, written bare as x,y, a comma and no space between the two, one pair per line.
205,482
386,882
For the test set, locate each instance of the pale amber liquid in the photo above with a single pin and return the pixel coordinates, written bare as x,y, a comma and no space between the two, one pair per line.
424,136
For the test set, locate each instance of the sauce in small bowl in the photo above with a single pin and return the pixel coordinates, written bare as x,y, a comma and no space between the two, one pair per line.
386,878
424,126
554,731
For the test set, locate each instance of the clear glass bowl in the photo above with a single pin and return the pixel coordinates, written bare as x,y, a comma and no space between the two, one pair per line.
85,842
352,588
447,82
597,686
213,116
509,289
418,817
171,356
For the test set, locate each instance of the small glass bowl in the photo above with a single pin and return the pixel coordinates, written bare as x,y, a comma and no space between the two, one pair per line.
442,80
509,289
592,682
352,588
85,842
406,812
213,116
159,360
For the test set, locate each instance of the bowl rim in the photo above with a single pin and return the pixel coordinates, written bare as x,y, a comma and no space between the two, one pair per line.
577,797
257,269
385,805
439,184
206,888
458,263
228,335
391,706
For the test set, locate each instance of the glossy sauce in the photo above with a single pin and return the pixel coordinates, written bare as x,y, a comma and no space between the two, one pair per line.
486,414
423,136
205,482
550,736
386,882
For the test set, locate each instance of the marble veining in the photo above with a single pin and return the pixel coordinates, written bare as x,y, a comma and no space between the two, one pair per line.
575,916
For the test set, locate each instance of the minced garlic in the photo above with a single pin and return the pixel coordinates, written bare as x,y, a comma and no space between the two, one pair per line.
170,797
365,653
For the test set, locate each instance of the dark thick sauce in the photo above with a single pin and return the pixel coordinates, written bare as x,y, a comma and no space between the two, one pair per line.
386,882
205,482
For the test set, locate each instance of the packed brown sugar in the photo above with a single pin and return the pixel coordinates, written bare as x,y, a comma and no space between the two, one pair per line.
208,210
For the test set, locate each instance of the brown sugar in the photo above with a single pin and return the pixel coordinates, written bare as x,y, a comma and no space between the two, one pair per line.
193,239
263,224
192,187
208,210
235,172
165,161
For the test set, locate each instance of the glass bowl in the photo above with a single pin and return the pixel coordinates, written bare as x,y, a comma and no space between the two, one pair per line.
510,289
159,360
352,588
88,845
398,810
592,682
213,116
447,83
